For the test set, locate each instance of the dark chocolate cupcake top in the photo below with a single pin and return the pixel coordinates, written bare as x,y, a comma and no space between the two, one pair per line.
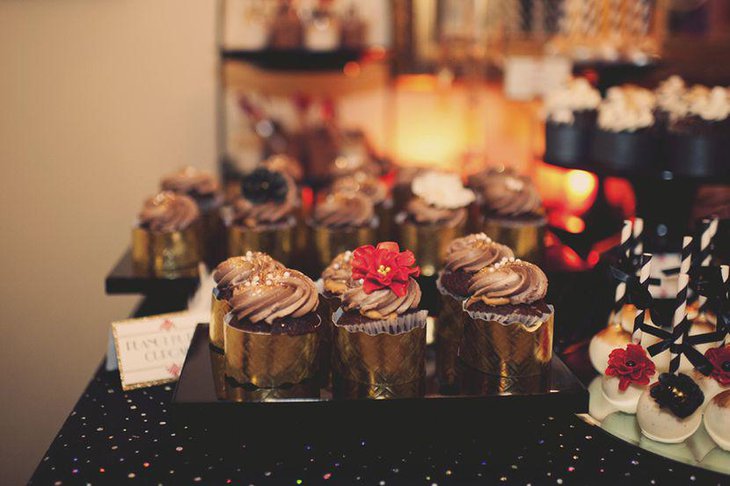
239,269
268,197
384,287
508,282
473,252
167,212
191,181
279,294
506,194
363,183
420,212
341,209
337,277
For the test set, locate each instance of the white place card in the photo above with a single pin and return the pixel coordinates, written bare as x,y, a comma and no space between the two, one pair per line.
151,350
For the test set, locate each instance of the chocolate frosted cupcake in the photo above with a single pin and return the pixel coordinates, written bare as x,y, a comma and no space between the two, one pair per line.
271,333
508,327
464,257
512,213
264,217
205,189
166,240
337,278
435,216
341,221
571,116
380,335
376,190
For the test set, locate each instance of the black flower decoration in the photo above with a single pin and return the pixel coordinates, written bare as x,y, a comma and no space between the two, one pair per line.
679,393
263,185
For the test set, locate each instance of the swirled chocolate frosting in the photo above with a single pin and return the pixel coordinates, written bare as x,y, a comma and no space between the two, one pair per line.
363,183
421,212
473,252
508,282
167,212
250,214
341,209
383,303
509,195
337,277
239,269
283,293
191,181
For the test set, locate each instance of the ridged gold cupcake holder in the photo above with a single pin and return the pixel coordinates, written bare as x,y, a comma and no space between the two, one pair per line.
329,242
269,360
278,240
429,243
380,359
508,347
527,239
448,332
167,255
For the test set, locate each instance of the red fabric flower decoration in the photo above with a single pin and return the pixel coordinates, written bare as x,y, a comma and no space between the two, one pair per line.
720,359
384,267
630,365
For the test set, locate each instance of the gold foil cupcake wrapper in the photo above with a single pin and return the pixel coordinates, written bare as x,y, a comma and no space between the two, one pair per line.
384,359
399,325
527,240
353,390
449,331
240,393
218,365
270,360
428,242
277,240
329,242
513,319
512,350
168,255
216,330
476,383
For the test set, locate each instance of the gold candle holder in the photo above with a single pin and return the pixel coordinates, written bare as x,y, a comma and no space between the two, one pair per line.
279,241
330,242
381,365
527,239
270,360
429,243
216,330
167,255
507,350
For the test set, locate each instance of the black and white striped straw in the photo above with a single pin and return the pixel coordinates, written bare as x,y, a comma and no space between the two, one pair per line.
637,237
709,230
620,296
644,274
678,323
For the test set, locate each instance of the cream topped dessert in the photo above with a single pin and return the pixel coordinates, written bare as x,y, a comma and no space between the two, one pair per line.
364,183
167,212
193,182
268,198
626,109
340,210
235,271
440,198
577,97
507,195
337,277
467,255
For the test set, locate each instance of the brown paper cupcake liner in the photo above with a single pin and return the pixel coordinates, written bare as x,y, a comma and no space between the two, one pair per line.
276,240
386,353
507,346
216,330
448,333
525,238
270,360
428,242
167,255
327,243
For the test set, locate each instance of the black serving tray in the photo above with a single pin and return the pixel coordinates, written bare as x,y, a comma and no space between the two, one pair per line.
195,400
125,279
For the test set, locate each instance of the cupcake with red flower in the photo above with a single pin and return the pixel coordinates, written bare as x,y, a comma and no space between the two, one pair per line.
719,378
630,370
380,334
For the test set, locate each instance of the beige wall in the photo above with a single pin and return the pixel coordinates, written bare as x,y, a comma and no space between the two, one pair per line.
97,98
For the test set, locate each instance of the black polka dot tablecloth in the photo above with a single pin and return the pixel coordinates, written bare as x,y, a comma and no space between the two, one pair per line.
117,437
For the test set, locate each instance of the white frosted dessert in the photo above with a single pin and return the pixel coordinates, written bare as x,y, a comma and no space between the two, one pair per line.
598,407
717,420
718,380
603,343
669,410
628,374
577,95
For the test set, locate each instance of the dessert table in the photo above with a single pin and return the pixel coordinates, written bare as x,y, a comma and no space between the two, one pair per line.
117,437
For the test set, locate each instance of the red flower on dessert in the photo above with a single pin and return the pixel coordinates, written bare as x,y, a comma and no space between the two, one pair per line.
384,267
720,359
630,365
